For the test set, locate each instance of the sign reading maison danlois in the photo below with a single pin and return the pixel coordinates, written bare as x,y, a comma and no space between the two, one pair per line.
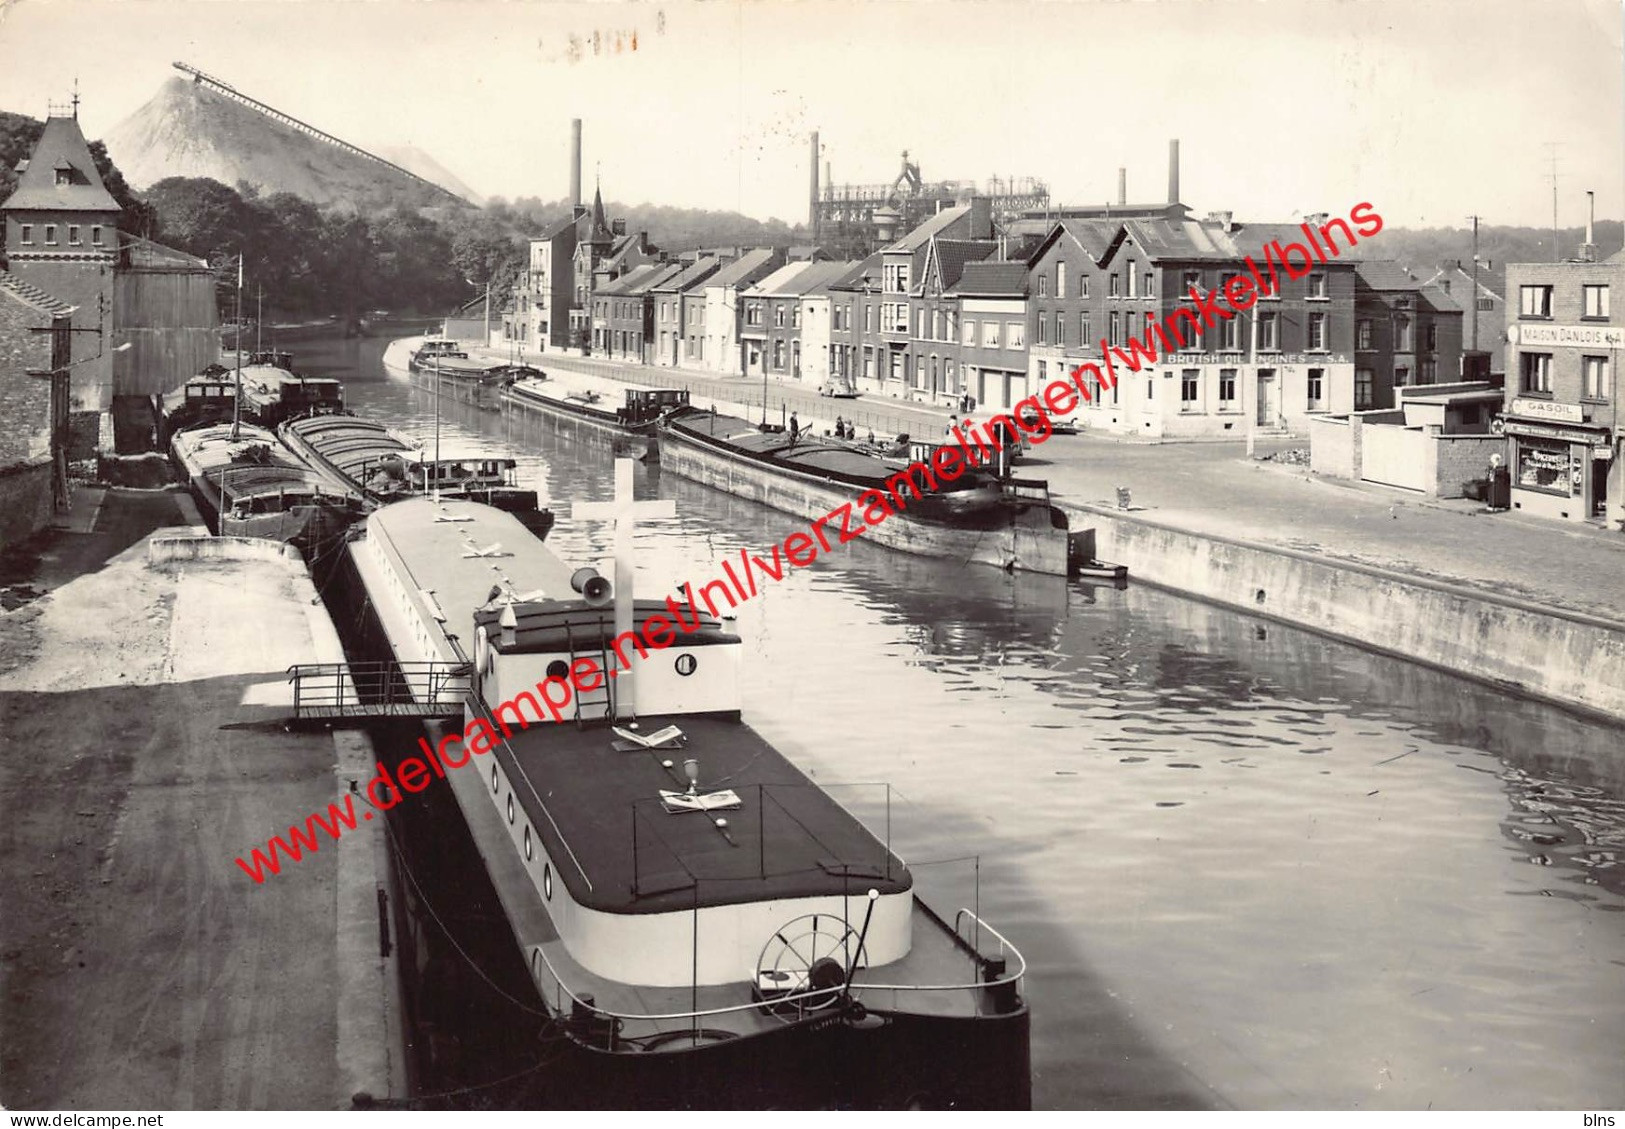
1598,336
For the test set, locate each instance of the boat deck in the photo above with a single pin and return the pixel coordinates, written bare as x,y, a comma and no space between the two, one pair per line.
817,454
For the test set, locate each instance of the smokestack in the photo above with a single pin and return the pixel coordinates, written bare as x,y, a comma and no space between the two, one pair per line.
1122,186
575,162
1588,253
1173,171
812,190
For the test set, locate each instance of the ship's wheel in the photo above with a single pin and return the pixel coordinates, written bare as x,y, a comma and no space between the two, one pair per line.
809,954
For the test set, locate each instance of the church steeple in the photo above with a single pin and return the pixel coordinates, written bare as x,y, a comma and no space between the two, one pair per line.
600,232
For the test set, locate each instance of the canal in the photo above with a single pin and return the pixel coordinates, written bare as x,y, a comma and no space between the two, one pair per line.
1248,866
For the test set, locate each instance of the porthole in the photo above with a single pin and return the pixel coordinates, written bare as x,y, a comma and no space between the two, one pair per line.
558,669
686,665
494,785
528,854
547,881
510,807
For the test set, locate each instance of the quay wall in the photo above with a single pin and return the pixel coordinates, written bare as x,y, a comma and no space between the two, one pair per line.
1565,657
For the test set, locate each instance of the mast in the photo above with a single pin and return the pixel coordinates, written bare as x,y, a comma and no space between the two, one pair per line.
1475,283
237,395
259,319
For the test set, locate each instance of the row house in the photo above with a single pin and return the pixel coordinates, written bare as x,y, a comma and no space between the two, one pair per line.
1095,280
721,346
818,313
931,369
1405,333
993,311
771,317
1483,322
623,313
1561,411
679,304
854,304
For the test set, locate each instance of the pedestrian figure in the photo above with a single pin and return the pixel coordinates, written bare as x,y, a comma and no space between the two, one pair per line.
953,422
795,428
840,428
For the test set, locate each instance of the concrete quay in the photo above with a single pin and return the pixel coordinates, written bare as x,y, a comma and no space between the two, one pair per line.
1534,605
142,752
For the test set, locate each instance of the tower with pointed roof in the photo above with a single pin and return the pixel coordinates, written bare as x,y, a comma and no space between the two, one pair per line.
62,237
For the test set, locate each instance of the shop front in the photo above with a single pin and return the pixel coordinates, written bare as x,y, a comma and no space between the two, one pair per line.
1559,470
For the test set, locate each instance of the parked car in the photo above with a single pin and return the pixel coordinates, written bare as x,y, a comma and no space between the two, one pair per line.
837,389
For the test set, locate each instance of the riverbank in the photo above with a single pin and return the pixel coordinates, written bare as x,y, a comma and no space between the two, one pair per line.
1532,605
143,751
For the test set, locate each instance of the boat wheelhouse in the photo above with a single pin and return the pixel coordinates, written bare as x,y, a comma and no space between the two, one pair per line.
705,925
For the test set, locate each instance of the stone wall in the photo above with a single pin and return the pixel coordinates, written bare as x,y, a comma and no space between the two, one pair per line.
25,501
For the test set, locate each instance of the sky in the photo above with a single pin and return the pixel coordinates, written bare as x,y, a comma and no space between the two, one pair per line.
1429,109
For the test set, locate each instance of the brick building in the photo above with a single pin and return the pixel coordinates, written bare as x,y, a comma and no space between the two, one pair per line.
1406,333
36,342
1483,320
679,307
1561,412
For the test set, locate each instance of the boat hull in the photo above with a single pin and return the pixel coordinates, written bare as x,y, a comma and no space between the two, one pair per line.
590,426
1029,536
483,394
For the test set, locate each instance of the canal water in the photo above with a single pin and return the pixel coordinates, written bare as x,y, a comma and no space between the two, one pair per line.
1248,866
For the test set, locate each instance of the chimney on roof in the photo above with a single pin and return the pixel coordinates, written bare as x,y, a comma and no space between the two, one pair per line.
1122,186
1224,220
1588,250
1173,171
575,162
981,218
617,227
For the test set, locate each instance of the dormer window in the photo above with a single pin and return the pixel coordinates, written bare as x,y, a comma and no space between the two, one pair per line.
64,176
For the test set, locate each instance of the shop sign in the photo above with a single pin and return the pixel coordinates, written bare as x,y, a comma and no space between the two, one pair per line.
1556,431
1547,409
1594,336
1261,360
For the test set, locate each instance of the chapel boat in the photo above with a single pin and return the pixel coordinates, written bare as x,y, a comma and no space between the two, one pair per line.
704,925
248,485
373,460
628,429
983,516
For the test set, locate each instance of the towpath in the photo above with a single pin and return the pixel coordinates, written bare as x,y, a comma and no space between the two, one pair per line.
1212,488
139,967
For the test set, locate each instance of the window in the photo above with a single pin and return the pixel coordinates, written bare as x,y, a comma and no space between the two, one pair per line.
1535,301
1043,286
73,235
1227,389
26,233
1535,372
1230,336
1015,335
1430,371
1317,389
990,335
1133,273
50,235
868,317
1543,464
1083,285
1148,283
1402,376
1112,286
950,326
1113,330
778,354
1043,328
1432,337
1043,373
64,176
778,317
1403,342
1190,389
1269,335
1083,328
1597,385
1190,280
1060,328
970,332
1317,284
1596,301
1317,332
1060,280
1363,334
1362,389
919,325
795,316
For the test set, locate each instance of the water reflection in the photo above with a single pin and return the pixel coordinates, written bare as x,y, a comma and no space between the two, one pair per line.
1249,866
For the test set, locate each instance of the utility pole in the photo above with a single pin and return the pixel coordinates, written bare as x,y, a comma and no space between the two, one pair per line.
237,395
1557,252
1475,282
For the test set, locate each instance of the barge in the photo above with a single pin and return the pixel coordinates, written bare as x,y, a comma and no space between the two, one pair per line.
629,428
248,485
981,516
443,368
704,926
374,461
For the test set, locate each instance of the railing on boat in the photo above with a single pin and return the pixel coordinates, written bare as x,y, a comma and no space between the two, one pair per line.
330,691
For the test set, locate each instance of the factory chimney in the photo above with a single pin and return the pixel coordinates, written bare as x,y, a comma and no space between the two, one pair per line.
1173,171
1122,186
812,190
575,162
1588,253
